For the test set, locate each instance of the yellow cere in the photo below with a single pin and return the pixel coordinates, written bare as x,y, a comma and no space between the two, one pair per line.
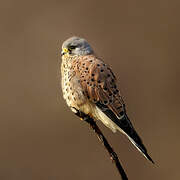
65,50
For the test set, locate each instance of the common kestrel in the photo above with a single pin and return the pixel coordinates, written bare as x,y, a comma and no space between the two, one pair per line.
89,86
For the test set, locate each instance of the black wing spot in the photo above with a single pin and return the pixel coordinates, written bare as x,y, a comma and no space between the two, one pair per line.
114,92
105,102
119,107
110,101
121,113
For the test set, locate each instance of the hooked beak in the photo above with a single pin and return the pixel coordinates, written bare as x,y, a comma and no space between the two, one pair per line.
64,51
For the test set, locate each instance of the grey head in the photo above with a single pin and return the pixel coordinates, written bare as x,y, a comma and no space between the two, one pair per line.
76,46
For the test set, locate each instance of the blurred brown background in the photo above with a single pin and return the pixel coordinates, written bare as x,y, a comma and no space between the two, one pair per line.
39,137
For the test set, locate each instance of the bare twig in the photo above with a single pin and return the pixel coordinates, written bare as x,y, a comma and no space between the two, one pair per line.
110,150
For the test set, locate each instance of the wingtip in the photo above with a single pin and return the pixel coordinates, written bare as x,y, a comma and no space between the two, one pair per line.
149,158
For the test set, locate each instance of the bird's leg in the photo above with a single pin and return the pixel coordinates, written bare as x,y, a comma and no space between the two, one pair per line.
104,141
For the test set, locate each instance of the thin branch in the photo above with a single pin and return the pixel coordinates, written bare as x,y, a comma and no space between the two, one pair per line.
110,150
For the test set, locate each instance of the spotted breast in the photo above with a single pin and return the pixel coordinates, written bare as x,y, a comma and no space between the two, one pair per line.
73,92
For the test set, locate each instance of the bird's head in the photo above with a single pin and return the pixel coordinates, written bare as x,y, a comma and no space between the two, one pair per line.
76,46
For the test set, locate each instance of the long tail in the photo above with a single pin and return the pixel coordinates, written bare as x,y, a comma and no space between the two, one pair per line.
126,127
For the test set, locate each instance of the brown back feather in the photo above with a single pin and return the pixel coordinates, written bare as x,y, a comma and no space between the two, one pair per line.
99,83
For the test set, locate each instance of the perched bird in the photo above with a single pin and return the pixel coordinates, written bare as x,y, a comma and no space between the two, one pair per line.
89,86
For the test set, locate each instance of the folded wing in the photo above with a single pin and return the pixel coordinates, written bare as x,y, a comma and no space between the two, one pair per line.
99,84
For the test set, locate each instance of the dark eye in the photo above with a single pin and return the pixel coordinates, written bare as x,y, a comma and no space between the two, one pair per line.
71,47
